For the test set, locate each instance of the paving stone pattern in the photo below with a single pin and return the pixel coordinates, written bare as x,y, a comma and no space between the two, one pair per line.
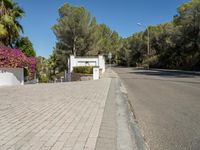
62,116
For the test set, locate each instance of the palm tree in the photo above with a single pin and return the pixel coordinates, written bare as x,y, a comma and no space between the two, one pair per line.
10,27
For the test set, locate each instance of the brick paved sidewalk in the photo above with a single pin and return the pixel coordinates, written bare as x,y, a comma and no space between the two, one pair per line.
65,116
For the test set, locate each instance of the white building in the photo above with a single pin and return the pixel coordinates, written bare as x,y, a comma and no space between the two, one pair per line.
97,62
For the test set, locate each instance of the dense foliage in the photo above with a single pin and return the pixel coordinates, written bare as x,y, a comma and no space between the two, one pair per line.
10,28
42,69
172,45
21,54
25,45
14,58
47,69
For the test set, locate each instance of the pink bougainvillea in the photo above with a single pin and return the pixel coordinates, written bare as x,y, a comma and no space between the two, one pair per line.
14,58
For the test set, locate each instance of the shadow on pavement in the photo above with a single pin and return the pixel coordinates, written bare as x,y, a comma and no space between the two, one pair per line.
165,80
165,73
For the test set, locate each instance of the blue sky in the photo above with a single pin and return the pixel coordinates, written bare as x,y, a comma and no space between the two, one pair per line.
120,15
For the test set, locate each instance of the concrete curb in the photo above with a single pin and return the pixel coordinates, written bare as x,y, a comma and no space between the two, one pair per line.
126,113
124,137
136,134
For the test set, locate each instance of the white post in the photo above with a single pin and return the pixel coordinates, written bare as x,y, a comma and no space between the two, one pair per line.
95,73
72,62
101,63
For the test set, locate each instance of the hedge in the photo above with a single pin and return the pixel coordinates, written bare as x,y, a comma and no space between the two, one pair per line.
83,69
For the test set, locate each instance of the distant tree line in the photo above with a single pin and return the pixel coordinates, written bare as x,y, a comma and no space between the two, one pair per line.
174,45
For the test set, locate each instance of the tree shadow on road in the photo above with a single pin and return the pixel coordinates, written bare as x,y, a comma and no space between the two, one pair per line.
158,74
165,73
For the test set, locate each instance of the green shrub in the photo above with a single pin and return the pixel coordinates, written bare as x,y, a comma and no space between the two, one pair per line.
83,69
44,78
59,75
151,61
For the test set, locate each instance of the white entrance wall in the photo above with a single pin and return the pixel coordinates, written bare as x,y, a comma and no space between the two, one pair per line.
11,76
98,61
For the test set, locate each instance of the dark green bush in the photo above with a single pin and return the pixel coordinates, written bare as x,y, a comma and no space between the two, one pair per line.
25,72
151,61
83,69
44,79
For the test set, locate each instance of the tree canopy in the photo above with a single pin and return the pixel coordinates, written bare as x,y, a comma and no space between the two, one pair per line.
175,44
78,33
10,28
25,45
72,29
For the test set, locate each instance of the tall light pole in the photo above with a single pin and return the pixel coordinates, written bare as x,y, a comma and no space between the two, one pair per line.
148,37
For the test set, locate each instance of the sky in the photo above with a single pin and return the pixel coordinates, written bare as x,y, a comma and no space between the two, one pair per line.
120,15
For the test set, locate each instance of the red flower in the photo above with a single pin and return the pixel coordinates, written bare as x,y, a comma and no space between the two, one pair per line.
14,58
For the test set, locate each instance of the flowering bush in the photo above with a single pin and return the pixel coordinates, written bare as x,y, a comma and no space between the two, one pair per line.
14,58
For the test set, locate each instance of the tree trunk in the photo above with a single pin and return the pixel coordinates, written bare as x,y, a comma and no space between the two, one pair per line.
74,47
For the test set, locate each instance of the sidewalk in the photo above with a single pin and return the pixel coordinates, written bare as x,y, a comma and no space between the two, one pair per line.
87,115
64,116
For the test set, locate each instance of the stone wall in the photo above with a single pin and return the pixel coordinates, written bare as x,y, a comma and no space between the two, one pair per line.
81,77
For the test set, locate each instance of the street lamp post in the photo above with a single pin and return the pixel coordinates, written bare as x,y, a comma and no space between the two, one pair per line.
148,37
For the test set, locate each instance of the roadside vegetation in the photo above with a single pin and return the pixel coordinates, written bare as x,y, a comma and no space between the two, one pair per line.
173,45
15,50
11,29
83,69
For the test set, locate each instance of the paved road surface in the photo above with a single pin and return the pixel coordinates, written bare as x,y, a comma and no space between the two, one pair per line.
167,107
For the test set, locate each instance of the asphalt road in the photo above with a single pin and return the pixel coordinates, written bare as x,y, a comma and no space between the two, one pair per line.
166,106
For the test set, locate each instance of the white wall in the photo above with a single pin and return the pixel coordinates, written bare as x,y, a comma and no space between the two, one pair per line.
11,76
98,61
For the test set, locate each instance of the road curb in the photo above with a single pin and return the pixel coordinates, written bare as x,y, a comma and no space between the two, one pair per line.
136,134
129,135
